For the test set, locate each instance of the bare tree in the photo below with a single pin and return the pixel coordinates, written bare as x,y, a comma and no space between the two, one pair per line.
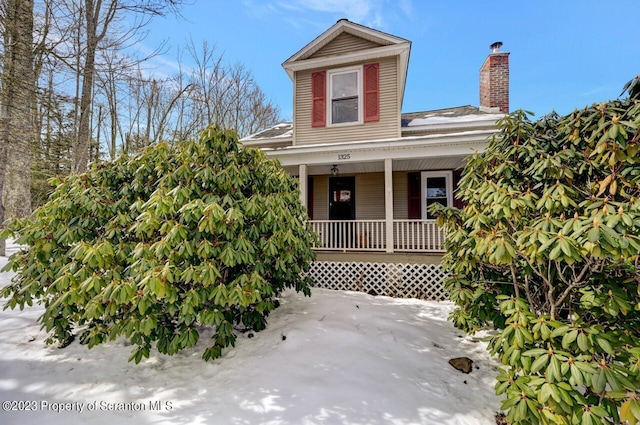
227,96
17,109
52,154
248,109
99,16
110,80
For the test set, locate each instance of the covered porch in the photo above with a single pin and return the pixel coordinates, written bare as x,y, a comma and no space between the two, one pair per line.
373,196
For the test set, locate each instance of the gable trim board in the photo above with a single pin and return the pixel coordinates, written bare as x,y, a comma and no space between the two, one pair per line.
339,28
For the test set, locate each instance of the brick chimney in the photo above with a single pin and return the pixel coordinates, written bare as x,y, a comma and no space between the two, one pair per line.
494,81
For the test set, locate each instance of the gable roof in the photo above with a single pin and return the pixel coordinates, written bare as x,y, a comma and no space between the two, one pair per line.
345,26
383,45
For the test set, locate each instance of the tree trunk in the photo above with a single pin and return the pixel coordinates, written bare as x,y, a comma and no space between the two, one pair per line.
17,113
81,151
3,162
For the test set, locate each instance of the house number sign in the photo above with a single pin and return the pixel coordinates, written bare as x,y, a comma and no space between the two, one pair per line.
343,156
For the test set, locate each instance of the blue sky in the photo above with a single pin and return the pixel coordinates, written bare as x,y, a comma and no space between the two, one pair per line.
564,53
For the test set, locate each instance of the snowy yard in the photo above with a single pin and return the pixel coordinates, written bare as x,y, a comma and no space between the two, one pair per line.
334,358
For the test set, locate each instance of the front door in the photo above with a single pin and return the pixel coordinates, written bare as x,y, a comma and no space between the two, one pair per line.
342,198
342,206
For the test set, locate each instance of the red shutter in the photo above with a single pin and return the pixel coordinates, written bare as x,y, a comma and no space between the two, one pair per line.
310,197
371,92
414,204
318,94
457,174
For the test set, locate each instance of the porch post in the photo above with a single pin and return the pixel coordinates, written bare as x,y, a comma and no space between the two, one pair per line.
388,202
302,175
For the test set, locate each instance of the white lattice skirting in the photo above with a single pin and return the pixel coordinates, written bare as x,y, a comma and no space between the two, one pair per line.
423,281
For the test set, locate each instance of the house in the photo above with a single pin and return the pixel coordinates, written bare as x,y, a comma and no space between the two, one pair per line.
367,171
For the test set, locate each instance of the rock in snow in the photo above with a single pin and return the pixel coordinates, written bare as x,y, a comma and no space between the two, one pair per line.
463,364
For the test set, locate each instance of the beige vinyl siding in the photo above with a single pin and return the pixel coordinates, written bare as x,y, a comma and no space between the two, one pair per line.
321,197
370,196
400,195
387,127
344,43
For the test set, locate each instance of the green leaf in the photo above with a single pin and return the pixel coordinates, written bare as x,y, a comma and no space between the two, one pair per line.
143,305
556,252
587,419
586,367
534,352
583,342
559,331
545,393
599,381
605,345
569,338
539,363
576,378
553,370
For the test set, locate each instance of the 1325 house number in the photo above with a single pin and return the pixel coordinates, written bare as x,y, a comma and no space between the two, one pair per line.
343,156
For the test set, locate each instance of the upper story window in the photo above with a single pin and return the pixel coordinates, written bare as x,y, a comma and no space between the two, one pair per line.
345,96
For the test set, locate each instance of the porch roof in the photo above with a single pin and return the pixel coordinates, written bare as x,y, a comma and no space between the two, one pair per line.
431,151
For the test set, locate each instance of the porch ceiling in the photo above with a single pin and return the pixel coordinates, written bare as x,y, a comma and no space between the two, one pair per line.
416,164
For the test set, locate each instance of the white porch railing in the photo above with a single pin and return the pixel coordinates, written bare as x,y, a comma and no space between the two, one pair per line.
418,236
350,235
370,235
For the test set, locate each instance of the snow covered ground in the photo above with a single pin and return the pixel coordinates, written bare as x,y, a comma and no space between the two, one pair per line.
335,358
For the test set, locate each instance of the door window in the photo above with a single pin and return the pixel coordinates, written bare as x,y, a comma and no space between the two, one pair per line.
342,198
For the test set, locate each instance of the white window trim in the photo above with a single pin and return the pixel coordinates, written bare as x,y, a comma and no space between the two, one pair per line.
448,175
330,73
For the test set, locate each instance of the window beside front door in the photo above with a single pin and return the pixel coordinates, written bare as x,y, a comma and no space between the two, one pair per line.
437,187
345,102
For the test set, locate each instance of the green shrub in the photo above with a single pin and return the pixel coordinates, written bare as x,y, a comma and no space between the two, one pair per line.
155,247
546,250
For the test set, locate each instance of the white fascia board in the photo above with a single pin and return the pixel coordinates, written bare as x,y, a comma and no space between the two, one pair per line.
481,122
430,146
270,140
361,55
